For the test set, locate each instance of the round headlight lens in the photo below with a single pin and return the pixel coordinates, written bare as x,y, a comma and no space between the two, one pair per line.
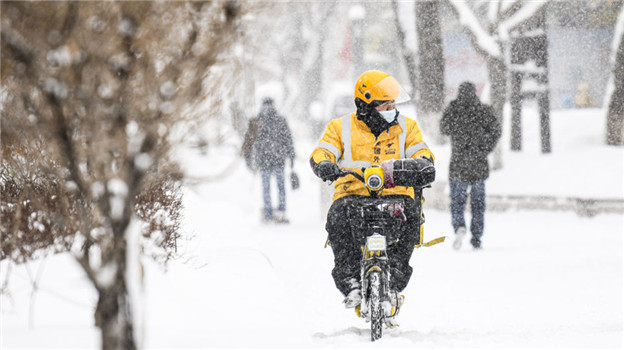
374,182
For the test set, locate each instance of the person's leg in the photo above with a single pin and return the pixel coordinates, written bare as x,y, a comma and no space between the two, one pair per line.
459,196
400,252
346,271
281,188
477,209
266,194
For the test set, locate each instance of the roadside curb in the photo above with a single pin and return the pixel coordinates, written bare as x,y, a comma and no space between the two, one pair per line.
437,197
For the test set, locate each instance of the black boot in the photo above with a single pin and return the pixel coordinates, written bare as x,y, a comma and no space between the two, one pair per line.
476,242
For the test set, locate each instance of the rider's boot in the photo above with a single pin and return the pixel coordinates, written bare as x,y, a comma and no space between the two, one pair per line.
459,236
354,297
396,301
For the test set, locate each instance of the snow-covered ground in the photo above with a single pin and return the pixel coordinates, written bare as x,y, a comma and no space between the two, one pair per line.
544,279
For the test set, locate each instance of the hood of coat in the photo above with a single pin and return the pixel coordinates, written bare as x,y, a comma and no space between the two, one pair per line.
267,110
467,92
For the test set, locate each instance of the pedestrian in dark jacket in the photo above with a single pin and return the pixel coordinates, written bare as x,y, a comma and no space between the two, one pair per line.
474,132
268,143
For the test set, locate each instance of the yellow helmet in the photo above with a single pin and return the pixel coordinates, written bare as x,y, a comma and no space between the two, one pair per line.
375,85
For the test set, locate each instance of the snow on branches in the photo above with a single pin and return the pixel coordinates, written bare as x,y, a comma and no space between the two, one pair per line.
93,97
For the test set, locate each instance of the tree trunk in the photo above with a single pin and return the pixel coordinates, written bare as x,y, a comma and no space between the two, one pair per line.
497,72
430,66
615,114
313,75
357,42
114,316
408,56
544,113
516,111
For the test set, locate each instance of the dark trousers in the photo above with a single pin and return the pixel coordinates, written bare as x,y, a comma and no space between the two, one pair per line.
347,252
459,197
278,173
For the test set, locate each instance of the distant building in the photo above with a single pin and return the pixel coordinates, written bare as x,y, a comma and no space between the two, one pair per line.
579,43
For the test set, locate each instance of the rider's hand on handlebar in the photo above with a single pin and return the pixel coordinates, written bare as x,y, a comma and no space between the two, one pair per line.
413,172
327,171
388,168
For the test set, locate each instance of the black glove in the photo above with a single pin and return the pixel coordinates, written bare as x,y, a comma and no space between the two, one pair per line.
327,171
418,172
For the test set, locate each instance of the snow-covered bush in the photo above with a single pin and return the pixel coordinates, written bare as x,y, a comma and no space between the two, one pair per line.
93,98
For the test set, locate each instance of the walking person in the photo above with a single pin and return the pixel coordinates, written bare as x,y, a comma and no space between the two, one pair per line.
474,132
268,144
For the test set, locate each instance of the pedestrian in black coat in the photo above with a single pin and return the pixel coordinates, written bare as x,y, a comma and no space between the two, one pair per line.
474,132
268,144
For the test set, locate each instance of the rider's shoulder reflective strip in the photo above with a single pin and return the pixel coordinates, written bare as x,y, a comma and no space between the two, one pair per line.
331,148
346,138
411,150
403,124
353,164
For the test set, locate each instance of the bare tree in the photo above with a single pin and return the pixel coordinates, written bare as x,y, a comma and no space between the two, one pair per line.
309,72
615,113
408,55
93,96
430,64
287,43
488,24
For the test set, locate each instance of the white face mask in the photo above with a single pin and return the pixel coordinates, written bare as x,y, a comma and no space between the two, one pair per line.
388,115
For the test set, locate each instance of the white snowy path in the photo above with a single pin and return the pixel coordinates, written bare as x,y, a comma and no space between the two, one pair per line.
544,280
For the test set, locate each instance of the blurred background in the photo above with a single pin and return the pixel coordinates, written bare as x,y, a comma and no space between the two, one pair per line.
311,53
112,110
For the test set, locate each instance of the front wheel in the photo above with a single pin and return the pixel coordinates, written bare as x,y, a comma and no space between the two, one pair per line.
374,301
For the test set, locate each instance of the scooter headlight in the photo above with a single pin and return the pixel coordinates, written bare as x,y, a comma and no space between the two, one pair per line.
374,182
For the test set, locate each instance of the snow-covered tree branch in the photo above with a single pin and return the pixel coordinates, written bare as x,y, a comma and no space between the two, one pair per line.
615,89
93,97
489,30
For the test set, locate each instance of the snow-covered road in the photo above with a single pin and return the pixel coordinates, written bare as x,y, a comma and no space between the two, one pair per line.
544,279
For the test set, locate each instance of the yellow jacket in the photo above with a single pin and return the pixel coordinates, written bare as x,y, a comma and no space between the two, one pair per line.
349,142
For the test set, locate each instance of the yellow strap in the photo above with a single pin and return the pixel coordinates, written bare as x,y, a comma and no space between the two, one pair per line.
431,242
